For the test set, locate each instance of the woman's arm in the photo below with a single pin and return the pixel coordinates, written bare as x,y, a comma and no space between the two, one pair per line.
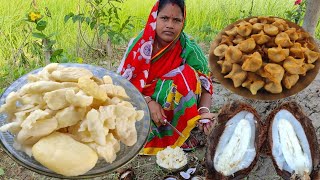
204,111
156,111
205,101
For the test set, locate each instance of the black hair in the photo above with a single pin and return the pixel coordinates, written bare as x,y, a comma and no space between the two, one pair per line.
180,3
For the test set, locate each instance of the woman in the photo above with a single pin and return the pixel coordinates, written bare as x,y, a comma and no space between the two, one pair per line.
172,73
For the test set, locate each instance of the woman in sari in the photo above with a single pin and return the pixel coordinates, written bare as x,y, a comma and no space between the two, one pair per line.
171,71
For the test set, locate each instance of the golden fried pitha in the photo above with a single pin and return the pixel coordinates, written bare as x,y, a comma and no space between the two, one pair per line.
220,50
283,40
247,45
253,83
294,66
270,29
273,87
278,54
244,28
297,51
290,80
292,33
311,56
237,75
226,66
252,63
233,54
275,51
274,72
261,38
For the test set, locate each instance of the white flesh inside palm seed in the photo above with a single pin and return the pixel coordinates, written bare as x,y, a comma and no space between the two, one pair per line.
235,150
290,149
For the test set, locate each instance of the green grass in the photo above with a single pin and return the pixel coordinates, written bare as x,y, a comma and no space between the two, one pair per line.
204,20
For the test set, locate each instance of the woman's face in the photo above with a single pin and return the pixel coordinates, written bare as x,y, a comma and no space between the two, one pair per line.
169,22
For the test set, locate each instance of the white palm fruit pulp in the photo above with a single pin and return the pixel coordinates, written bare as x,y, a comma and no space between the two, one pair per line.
171,158
290,148
236,148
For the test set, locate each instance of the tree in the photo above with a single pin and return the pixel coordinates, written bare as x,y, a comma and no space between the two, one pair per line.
312,16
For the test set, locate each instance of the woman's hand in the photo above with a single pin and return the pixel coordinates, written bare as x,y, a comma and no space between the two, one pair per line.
157,113
207,126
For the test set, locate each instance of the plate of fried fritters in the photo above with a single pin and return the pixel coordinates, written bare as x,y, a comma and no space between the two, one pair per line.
73,121
264,58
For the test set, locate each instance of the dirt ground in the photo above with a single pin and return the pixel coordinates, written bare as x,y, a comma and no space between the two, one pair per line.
144,167
308,99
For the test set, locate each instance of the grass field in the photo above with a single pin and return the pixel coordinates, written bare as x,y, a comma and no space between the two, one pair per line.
20,52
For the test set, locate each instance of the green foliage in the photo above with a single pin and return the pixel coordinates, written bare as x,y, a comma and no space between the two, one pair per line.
1,172
39,35
45,47
38,26
297,13
59,56
244,13
102,17
41,25
206,31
